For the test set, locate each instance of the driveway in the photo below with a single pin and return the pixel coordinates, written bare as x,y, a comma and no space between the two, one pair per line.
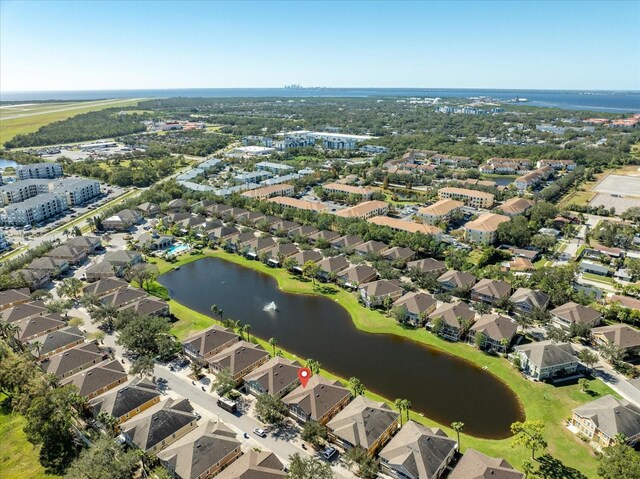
282,444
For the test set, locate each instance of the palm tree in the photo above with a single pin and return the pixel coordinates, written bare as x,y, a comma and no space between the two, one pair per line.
215,309
37,347
457,426
399,405
313,365
406,405
109,421
272,343
246,329
357,388
527,468
237,325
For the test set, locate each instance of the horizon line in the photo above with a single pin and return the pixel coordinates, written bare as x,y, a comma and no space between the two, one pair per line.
327,88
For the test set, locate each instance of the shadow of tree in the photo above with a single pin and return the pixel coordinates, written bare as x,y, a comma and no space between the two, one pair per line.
552,468
324,289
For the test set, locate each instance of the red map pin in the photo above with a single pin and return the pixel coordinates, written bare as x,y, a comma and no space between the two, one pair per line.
304,374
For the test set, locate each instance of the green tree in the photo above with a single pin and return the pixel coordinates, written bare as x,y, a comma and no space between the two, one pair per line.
399,405
70,288
367,466
527,468
480,339
399,313
110,422
48,424
457,426
105,458
314,366
142,366
223,382
308,468
356,386
315,433
148,336
437,325
310,270
271,409
529,434
273,343
105,316
407,406
584,384
196,369
619,461
588,357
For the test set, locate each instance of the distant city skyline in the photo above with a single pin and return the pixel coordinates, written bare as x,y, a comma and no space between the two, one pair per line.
50,45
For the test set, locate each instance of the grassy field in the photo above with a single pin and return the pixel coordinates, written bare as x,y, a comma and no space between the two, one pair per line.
551,404
18,457
14,121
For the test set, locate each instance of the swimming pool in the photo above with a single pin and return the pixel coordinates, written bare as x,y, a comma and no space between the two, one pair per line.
177,249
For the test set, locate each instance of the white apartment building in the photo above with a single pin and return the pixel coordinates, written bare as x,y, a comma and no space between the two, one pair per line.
23,190
39,170
76,190
34,209
4,243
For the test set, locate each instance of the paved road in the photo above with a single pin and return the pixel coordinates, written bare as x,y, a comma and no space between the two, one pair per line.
283,446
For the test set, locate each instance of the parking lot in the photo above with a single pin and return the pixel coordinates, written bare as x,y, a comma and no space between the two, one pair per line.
619,185
621,204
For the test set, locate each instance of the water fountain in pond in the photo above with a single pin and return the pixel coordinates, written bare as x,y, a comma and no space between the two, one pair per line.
271,307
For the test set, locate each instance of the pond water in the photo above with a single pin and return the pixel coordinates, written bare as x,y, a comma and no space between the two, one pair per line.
441,386
6,163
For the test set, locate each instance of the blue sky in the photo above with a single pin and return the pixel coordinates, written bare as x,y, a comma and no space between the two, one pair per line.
52,45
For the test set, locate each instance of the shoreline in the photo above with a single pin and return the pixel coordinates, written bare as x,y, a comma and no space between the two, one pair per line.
536,400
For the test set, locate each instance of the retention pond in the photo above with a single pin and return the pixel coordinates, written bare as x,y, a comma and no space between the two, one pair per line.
441,386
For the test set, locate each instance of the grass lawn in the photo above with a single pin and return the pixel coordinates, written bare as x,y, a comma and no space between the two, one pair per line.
598,279
42,116
577,198
18,457
548,403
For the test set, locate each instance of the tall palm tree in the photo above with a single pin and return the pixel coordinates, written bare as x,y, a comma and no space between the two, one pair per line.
37,347
457,426
247,329
237,325
356,386
109,421
406,405
272,343
399,405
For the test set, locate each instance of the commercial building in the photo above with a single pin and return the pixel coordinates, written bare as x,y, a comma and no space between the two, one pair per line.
477,199
35,209
39,170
